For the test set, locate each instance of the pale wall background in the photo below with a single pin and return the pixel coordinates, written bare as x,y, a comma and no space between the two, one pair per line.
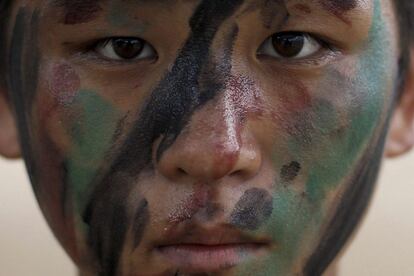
384,245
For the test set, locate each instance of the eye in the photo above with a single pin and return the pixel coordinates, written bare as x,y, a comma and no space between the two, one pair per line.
125,49
290,45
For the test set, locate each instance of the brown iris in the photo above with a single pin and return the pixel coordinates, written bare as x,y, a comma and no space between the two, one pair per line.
128,48
288,44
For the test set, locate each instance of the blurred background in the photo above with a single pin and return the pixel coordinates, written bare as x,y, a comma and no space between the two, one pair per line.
383,246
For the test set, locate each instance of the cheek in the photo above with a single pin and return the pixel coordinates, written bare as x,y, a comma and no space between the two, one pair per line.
327,137
64,83
81,125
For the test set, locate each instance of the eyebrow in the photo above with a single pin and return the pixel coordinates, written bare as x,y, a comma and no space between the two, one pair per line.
78,11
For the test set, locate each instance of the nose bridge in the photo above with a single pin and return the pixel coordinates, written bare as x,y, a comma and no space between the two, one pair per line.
232,108
218,149
221,122
213,144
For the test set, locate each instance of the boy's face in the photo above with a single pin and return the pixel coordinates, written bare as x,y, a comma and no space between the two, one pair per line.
174,137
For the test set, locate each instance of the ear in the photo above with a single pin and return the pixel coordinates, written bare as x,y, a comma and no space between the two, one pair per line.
9,142
401,135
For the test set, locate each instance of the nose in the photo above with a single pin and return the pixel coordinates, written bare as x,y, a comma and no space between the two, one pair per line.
216,143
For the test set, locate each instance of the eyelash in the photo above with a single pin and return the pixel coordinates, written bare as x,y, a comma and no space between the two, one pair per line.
325,54
87,51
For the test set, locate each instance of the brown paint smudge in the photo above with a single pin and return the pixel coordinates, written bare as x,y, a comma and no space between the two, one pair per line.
79,11
240,101
303,8
338,8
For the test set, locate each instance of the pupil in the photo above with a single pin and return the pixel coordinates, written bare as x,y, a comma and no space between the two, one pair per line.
288,44
127,48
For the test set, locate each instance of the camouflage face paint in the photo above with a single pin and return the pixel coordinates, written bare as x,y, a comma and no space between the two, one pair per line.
64,84
339,7
303,8
350,210
290,172
106,148
23,76
78,11
166,113
253,209
273,10
191,206
335,6
299,216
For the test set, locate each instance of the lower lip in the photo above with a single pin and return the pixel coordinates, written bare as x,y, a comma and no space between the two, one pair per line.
208,258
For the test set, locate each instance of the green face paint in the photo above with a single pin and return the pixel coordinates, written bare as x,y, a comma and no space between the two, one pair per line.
197,135
92,134
331,157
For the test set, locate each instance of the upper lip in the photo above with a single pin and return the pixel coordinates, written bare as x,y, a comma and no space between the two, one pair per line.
209,236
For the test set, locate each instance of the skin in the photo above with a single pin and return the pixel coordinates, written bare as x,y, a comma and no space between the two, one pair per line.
123,155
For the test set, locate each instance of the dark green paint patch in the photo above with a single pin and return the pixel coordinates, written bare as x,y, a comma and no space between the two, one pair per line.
92,134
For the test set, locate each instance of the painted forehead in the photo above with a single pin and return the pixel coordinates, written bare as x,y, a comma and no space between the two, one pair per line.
83,11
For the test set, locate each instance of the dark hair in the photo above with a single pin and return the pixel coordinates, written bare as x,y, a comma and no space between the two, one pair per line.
405,13
4,16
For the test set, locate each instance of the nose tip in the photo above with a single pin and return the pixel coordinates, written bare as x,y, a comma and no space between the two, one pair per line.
208,164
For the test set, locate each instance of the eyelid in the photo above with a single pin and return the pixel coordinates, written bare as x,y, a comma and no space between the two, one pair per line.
104,48
328,50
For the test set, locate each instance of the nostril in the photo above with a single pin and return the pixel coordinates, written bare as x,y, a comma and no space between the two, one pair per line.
181,172
242,174
237,173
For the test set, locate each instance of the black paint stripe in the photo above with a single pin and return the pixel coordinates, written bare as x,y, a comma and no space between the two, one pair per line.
141,220
252,210
167,111
290,171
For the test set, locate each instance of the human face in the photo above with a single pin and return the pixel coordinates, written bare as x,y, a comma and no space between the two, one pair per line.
228,137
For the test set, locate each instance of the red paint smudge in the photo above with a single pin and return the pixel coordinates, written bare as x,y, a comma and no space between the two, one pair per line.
190,206
294,101
304,8
297,98
64,83
240,100
339,8
244,96
79,11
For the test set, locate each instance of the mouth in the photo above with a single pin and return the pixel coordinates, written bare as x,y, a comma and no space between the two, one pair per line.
202,250
198,258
